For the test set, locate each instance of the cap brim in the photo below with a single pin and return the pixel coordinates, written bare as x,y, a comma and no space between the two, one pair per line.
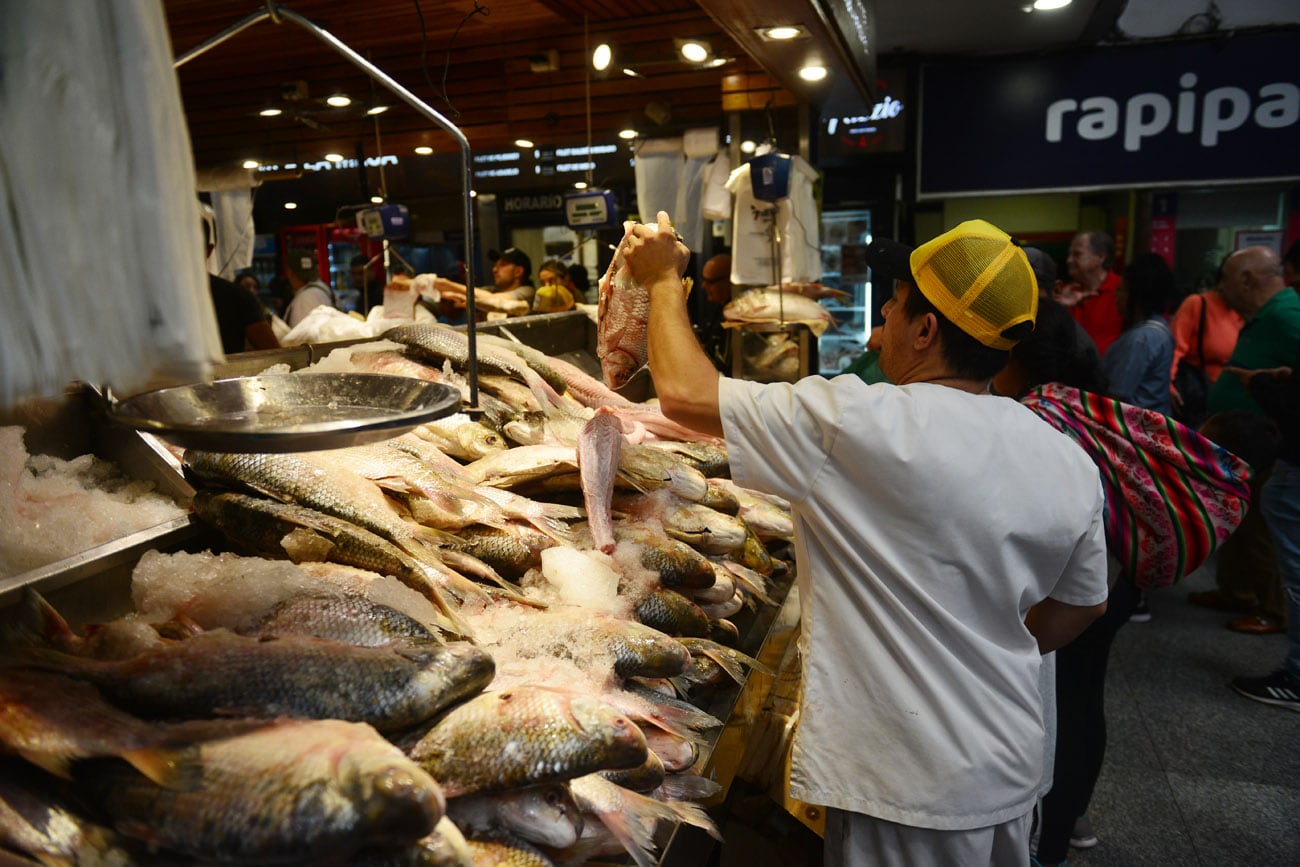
891,260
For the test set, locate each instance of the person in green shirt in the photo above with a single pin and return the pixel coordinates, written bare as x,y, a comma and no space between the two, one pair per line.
1247,575
1253,285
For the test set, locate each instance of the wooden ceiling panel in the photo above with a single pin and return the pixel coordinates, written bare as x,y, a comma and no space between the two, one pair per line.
486,66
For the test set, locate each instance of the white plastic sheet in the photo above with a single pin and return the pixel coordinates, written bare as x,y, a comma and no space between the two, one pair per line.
101,256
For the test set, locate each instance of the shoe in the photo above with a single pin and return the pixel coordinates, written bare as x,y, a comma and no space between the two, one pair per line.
1141,611
1256,624
1082,837
1216,600
1278,688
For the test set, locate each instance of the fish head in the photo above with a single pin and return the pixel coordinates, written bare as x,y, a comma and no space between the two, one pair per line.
547,814
399,801
621,740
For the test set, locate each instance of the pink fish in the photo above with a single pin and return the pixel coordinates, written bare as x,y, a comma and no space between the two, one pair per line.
622,319
599,445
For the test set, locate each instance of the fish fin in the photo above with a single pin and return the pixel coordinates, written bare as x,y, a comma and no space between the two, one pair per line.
37,624
179,769
632,834
687,787
751,582
58,765
693,814
729,658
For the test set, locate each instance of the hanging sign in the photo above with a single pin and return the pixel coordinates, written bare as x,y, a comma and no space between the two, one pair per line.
1210,111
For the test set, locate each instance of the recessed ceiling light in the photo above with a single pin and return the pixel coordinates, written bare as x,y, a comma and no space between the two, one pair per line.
250,164
627,133
695,52
783,32
1044,5
338,100
334,158
602,57
377,109
473,194
523,143
271,112
716,62
424,150
378,200
747,147
812,72
289,206
632,73
580,185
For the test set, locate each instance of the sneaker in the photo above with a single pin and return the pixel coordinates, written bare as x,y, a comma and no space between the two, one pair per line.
1082,837
1141,611
1278,688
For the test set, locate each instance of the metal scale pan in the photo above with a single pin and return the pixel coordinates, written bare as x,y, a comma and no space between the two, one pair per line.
289,412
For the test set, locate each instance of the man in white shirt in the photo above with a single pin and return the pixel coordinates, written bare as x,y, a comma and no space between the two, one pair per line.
309,291
945,538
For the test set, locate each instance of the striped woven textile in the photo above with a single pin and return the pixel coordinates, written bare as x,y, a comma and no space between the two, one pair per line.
1172,496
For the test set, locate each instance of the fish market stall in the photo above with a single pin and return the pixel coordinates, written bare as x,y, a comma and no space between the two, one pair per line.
236,545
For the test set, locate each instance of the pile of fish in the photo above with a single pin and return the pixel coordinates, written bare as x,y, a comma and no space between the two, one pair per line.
486,641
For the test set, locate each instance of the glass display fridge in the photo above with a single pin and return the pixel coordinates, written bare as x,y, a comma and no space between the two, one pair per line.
845,236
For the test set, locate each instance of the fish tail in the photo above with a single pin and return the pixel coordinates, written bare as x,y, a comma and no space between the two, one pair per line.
693,814
58,765
687,787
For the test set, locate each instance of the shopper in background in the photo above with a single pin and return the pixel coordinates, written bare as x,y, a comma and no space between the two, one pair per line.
281,293
935,566
1085,351
1090,294
309,291
1247,575
1277,390
555,292
715,282
1205,332
1137,364
581,282
511,280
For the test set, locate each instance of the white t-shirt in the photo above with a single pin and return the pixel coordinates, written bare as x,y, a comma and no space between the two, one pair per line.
752,248
307,299
928,521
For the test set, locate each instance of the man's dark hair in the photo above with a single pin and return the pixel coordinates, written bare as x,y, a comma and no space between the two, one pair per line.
966,356
1101,244
1053,354
1151,286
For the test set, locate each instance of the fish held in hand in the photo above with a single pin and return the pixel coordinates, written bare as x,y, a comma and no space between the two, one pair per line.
526,736
622,320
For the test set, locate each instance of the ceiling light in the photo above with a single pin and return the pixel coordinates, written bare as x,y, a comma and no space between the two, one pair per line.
783,32
812,72
289,206
250,164
523,143
694,51
424,150
338,100
580,185
627,133
377,109
747,147
334,158
378,200
271,112
632,73
716,62
602,57
473,194
1044,5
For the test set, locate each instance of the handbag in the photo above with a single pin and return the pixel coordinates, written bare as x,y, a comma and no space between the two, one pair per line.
1172,495
1191,382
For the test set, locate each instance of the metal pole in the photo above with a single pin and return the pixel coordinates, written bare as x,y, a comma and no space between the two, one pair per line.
279,12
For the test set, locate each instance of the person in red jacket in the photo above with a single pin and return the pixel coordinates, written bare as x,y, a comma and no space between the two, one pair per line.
1090,294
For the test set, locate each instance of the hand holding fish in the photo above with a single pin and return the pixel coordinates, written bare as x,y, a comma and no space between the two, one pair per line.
655,254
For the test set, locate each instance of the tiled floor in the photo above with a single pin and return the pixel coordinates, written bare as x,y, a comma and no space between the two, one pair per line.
1194,774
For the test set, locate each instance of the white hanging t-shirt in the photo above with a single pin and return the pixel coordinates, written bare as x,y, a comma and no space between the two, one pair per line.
752,247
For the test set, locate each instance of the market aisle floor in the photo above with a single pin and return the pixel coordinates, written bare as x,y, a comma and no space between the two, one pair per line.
1195,775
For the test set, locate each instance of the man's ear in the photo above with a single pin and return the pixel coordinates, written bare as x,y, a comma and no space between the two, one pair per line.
927,332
